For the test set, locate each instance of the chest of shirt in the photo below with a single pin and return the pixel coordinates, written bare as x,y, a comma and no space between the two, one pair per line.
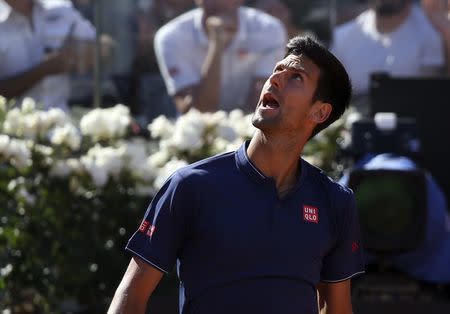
243,227
24,44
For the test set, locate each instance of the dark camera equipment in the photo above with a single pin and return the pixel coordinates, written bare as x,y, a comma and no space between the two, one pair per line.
427,100
392,208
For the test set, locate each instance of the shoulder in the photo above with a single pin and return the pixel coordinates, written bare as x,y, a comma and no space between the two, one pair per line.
422,24
353,27
338,194
259,22
178,28
208,167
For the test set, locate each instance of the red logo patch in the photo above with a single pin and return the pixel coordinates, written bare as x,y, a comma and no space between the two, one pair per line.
310,214
173,71
242,53
355,247
151,230
144,225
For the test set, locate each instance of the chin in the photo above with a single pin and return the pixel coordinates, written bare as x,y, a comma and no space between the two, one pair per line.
265,124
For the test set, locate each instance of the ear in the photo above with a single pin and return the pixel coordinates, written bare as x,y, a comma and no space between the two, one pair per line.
320,112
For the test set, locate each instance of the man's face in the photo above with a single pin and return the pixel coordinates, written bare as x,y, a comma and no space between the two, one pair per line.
219,7
286,103
389,7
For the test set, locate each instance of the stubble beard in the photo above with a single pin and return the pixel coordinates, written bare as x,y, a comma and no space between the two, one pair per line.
265,124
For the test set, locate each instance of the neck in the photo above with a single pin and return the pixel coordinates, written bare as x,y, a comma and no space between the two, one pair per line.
277,158
387,24
23,7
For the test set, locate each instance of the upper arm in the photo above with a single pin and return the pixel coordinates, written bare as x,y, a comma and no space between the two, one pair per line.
174,55
335,298
433,50
138,283
345,258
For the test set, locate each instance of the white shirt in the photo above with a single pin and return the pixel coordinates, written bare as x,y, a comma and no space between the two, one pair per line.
23,47
182,44
407,51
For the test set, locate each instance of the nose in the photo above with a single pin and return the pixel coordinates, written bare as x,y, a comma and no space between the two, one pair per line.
276,79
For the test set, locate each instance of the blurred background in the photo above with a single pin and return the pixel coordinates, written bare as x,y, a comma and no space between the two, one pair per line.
102,100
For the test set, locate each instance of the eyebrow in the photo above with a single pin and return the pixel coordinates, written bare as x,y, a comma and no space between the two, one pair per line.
291,67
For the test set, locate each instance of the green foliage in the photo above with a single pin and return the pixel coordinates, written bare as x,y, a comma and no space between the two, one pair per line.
63,246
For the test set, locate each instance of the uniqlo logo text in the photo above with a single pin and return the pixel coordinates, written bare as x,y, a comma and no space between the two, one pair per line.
310,214
144,226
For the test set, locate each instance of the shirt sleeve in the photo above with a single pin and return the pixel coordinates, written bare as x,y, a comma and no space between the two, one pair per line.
160,234
432,43
174,60
345,260
274,53
83,29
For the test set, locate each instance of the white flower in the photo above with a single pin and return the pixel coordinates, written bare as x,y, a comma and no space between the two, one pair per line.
136,159
158,159
5,271
189,132
27,196
168,169
213,119
161,127
43,150
4,143
144,190
60,169
13,122
233,145
28,105
55,117
219,145
98,174
74,165
6,311
241,123
16,151
66,135
226,132
103,162
351,117
104,124
2,103
31,123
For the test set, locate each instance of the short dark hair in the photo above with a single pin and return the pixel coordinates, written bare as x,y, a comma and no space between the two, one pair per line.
333,85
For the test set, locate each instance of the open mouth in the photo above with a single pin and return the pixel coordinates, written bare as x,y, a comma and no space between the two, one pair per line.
269,101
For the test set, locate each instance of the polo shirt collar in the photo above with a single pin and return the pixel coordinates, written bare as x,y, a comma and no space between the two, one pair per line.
246,166
241,34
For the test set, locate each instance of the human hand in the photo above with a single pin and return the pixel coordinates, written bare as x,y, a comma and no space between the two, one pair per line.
61,61
437,12
221,29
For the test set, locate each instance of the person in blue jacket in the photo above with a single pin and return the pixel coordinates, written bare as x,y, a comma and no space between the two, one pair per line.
258,230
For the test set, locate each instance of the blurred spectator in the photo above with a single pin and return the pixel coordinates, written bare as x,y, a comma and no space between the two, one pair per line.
148,94
347,10
281,11
218,55
41,42
438,11
393,36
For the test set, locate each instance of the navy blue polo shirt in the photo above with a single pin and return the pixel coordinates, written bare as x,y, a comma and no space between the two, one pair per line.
242,249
